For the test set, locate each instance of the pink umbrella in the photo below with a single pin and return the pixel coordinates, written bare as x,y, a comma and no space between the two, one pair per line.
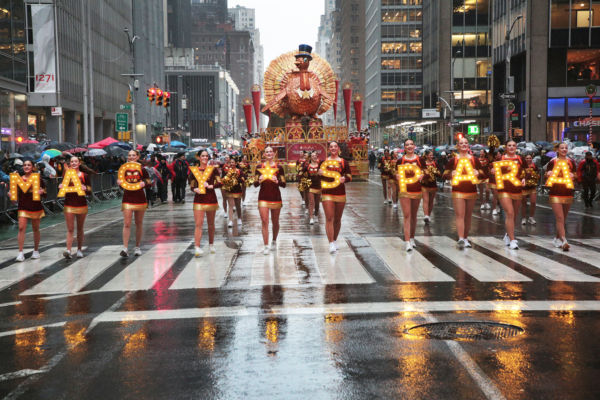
140,147
103,143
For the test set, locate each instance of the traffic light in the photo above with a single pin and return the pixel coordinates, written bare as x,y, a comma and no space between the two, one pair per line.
438,106
458,136
158,140
167,99
20,139
151,94
129,99
159,97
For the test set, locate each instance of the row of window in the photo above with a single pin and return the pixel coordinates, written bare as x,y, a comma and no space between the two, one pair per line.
406,63
576,14
402,79
401,2
401,95
401,31
401,16
401,48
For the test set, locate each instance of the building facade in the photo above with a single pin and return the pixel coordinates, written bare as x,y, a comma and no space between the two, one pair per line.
207,102
457,57
89,36
394,59
13,75
354,54
178,23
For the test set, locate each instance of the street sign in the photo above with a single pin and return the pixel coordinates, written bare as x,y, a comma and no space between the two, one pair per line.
184,104
595,105
510,108
454,124
508,96
431,113
590,90
473,129
125,106
411,129
122,122
56,111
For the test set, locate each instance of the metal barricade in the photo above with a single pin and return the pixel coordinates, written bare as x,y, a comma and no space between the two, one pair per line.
107,189
51,194
96,187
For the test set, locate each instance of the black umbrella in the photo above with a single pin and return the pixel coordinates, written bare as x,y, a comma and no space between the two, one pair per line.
61,146
27,147
115,151
36,154
171,150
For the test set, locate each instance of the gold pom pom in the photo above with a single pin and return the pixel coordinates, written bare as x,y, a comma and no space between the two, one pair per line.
493,141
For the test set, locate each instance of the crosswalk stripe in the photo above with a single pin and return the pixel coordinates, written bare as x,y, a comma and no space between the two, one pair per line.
278,268
21,270
476,264
546,267
590,242
147,269
576,252
407,266
208,271
77,275
339,267
8,255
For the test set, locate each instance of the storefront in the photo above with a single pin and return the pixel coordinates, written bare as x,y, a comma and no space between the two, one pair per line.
13,118
569,118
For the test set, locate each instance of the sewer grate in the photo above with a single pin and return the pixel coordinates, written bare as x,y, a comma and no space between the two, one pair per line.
465,331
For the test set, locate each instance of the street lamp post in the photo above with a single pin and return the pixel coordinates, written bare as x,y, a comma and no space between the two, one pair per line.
133,92
452,99
369,115
507,82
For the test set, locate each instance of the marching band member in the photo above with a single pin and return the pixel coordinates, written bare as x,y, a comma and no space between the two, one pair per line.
561,197
429,183
134,203
385,174
300,164
334,200
484,190
76,208
269,196
233,193
29,209
245,168
464,192
205,204
532,178
311,170
511,195
411,199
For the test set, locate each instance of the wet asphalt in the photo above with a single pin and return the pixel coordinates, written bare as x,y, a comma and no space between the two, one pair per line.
251,337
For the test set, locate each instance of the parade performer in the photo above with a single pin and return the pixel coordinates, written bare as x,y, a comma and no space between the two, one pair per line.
302,161
386,171
334,200
464,188
222,167
269,196
561,194
311,171
29,209
134,204
245,168
205,203
429,183
396,158
510,191
411,198
484,190
532,178
233,179
76,208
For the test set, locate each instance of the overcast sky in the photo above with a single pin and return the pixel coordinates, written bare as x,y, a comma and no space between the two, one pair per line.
284,24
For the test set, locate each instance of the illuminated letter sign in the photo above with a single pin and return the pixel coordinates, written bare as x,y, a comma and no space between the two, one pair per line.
130,175
331,174
402,169
16,182
202,176
71,176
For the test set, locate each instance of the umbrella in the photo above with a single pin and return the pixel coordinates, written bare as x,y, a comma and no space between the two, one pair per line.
551,154
103,143
95,153
14,155
52,153
176,143
35,155
478,147
77,150
61,146
579,144
152,147
115,151
171,150
27,147
122,145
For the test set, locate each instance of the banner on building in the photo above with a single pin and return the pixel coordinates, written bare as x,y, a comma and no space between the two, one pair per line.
44,50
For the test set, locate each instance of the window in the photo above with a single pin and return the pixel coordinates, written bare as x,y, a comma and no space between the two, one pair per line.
354,18
354,7
210,56
583,65
560,14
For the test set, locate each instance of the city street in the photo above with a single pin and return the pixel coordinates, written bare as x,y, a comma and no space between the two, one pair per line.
301,323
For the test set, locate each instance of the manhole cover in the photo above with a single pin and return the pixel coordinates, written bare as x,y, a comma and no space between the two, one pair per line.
465,331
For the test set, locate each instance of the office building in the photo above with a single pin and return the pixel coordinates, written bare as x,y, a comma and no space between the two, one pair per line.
206,102
394,59
457,33
13,75
178,23
353,51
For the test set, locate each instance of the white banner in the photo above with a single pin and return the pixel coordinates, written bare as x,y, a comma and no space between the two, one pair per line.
44,51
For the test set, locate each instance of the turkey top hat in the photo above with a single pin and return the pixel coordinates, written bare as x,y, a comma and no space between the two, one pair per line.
304,50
